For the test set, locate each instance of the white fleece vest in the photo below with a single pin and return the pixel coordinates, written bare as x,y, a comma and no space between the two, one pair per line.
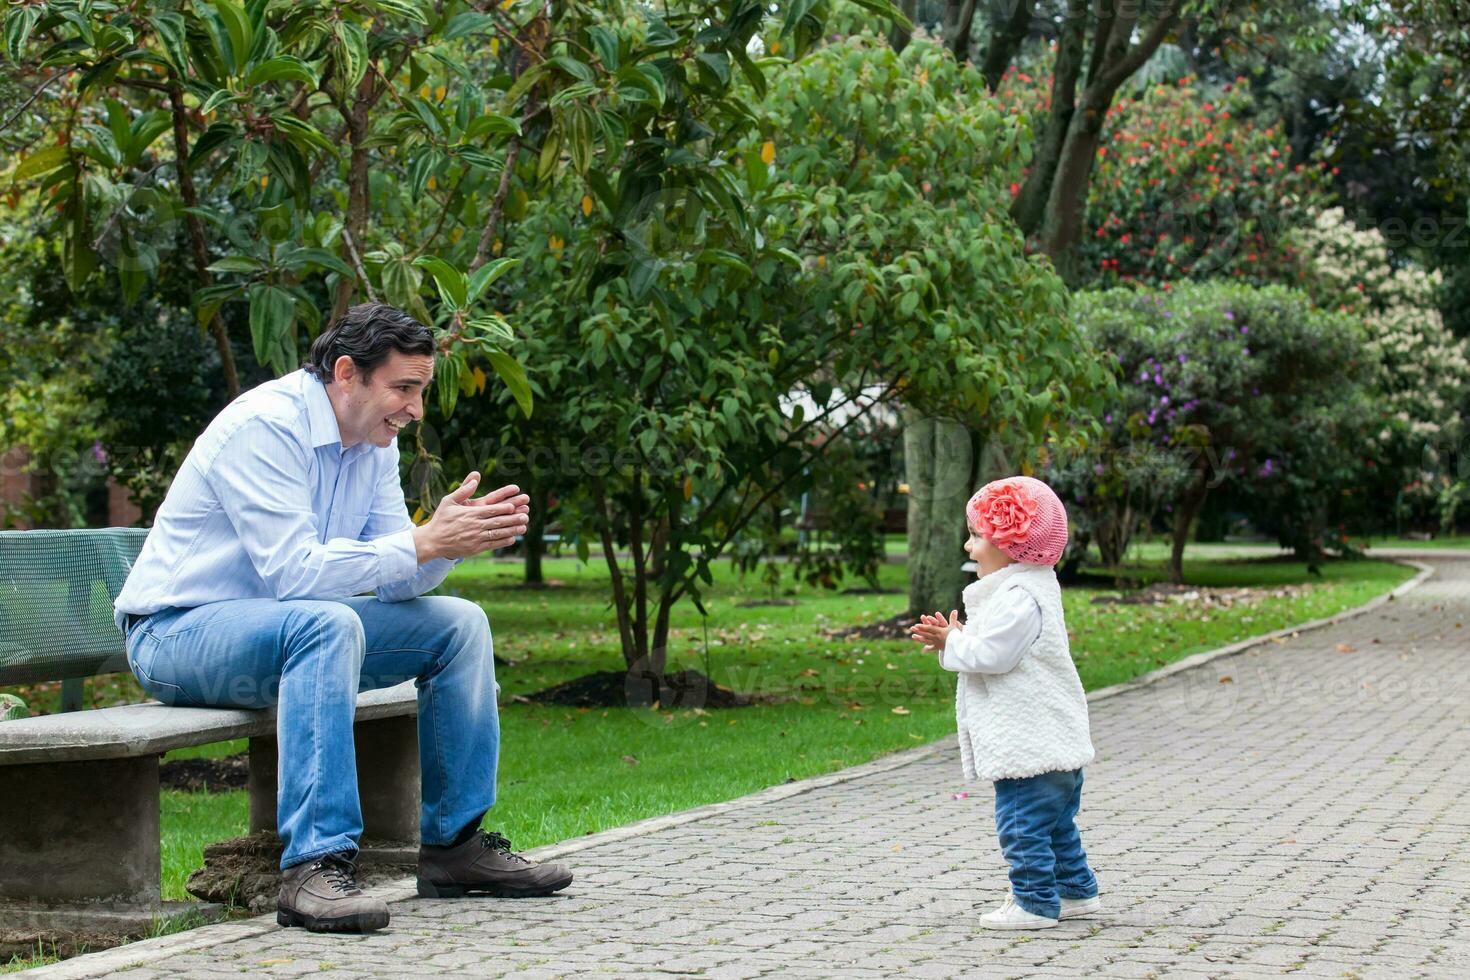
1033,718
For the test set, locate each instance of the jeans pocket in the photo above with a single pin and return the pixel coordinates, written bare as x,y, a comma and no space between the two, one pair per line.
140,659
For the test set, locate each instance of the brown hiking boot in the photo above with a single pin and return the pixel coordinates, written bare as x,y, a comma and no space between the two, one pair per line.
323,896
485,865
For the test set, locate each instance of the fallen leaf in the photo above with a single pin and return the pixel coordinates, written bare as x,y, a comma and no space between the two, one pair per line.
1227,679
900,710
809,672
1345,648
959,796
631,760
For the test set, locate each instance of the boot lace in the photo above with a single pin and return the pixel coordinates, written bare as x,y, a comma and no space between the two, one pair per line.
338,873
495,842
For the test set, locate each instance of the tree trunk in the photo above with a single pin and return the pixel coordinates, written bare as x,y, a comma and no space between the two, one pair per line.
1005,41
959,39
535,535
898,37
939,463
1030,206
357,185
1184,514
196,234
1114,60
1068,199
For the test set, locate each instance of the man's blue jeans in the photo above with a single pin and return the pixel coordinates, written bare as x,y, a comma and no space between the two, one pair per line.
310,659
1034,818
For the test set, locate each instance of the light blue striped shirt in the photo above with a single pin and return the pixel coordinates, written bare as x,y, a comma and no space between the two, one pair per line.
269,505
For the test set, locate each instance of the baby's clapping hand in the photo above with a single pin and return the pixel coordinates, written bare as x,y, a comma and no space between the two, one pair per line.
932,631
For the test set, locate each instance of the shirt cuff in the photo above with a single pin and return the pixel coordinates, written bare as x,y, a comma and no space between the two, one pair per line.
954,637
398,558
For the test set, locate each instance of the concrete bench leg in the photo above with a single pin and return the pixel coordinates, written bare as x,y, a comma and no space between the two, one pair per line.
79,852
387,785
80,831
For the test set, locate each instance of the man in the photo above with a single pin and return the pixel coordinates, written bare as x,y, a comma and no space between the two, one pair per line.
249,593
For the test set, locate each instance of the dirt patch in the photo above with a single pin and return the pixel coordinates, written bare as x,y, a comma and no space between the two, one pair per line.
1167,593
682,689
760,603
245,872
892,628
205,775
864,590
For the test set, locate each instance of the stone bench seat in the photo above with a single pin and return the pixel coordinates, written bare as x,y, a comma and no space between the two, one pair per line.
132,730
79,802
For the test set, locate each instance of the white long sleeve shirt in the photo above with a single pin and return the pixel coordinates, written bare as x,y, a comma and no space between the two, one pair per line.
269,505
1012,623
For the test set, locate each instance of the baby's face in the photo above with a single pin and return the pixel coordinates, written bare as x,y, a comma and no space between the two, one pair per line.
987,557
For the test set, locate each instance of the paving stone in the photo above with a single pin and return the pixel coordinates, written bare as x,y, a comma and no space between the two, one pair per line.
1308,816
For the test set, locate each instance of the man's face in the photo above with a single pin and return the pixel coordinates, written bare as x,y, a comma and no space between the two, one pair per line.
374,407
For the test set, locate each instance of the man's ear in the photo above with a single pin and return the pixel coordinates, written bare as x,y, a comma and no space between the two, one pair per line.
344,370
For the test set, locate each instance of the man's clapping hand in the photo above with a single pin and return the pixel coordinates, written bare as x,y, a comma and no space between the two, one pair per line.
464,525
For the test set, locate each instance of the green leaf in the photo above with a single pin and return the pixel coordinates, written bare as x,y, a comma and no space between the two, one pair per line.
302,133
317,256
447,382
491,123
468,23
352,53
283,67
237,263
606,44
719,256
717,64
241,33
515,376
485,275
170,29
145,130
216,99
208,300
18,26
272,315
573,67
41,162
453,287
78,259
476,157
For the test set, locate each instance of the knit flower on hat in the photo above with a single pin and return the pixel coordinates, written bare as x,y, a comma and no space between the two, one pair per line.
1003,513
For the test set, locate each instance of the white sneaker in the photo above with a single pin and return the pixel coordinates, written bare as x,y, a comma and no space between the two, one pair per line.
1075,908
1012,916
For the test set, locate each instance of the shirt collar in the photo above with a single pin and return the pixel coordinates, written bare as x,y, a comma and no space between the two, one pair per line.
319,415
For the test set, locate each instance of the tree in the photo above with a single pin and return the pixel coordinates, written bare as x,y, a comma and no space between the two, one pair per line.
793,242
1253,385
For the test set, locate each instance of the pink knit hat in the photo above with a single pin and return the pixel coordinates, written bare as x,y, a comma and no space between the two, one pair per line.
1021,517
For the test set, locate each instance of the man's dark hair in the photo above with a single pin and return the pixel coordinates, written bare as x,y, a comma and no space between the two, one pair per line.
367,334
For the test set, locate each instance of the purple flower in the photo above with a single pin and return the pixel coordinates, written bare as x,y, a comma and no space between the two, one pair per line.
1169,313
1183,359
1229,315
1144,375
1158,379
1245,330
1097,468
1152,417
99,454
1108,417
1163,399
1246,351
1267,468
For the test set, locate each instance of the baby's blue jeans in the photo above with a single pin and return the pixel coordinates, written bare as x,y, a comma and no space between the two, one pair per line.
1034,818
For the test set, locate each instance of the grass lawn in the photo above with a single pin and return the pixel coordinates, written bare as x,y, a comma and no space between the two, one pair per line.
567,772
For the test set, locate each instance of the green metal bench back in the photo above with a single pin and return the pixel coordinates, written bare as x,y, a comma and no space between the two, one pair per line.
56,593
